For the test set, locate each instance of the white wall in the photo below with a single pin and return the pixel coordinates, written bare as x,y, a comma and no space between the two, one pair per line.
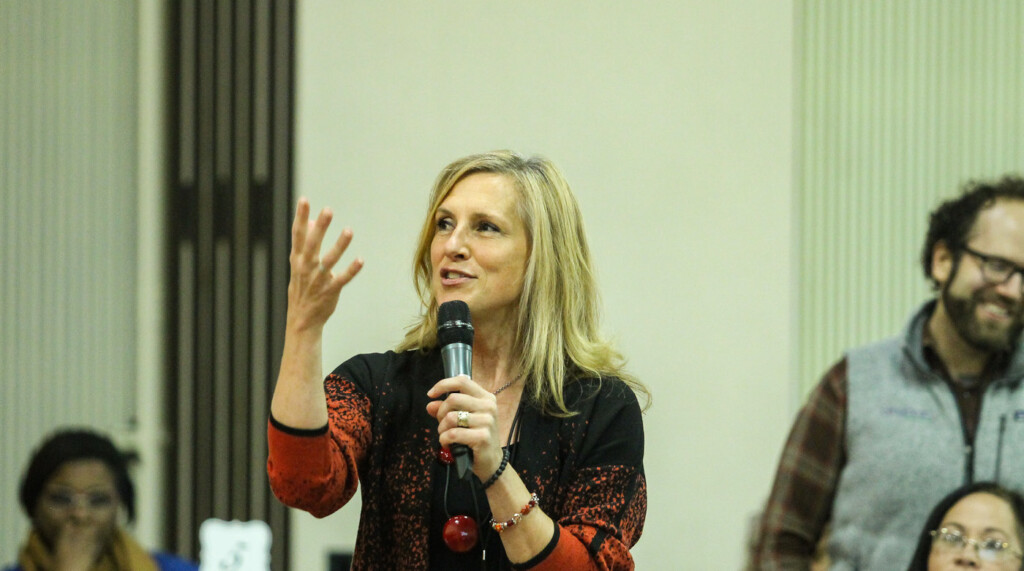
673,121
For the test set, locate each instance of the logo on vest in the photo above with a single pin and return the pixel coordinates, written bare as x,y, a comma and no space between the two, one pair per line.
1018,415
905,412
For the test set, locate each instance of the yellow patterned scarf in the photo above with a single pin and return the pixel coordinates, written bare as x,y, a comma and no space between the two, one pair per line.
124,554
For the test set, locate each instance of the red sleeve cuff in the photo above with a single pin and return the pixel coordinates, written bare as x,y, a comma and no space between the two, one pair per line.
295,455
568,553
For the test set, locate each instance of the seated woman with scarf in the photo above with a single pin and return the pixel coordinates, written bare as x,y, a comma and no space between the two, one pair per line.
74,490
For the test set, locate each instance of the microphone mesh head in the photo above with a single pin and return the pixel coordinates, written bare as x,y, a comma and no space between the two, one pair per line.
453,323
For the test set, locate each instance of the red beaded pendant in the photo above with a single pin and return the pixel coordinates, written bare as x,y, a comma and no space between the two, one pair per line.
460,533
444,455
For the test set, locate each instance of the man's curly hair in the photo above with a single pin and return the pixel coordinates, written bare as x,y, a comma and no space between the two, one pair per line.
951,223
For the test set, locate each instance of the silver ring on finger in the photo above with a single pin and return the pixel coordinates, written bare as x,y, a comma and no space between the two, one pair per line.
463,419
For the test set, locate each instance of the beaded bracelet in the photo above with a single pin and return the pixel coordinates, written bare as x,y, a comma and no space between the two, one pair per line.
501,468
500,527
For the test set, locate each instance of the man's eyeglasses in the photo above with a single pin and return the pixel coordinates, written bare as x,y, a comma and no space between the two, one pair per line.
996,270
989,548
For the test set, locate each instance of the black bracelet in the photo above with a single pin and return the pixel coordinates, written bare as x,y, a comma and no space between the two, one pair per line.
497,473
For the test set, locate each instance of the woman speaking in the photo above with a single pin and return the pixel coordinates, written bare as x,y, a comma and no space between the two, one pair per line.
548,421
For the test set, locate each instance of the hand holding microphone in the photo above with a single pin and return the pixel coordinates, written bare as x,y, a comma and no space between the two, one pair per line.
455,337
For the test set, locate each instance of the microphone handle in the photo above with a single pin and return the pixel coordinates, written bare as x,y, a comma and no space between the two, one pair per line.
458,360
463,460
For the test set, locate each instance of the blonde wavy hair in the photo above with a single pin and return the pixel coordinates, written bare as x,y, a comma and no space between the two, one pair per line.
557,337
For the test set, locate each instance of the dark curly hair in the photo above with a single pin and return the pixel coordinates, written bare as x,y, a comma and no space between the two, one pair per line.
952,221
75,444
924,541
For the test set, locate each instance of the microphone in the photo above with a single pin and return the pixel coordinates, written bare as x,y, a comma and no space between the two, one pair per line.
455,337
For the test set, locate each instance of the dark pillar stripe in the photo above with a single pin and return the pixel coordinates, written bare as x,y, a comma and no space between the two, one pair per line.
232,96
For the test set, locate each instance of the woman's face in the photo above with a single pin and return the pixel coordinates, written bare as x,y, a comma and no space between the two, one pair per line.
480,249
80,498
969,525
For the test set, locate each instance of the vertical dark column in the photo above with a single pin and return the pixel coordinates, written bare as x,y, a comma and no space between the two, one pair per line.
230,203
242,444
280,189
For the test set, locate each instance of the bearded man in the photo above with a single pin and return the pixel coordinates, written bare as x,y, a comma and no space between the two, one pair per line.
896,425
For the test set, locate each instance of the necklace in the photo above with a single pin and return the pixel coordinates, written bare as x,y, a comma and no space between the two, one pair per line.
460,532
505,386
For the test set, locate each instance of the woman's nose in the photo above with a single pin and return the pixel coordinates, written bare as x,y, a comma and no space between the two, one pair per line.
80,511
968,558
455,245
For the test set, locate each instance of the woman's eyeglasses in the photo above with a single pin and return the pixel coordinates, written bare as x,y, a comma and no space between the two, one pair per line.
989,548
95,501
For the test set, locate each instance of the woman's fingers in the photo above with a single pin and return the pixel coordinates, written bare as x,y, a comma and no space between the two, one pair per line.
308,235
314,289
334,253
477,411
476,431
342,279
458,384
300,225
79,544
315,229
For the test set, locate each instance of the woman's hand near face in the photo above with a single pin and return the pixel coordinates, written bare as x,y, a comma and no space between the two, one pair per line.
78,545
482,434
313,292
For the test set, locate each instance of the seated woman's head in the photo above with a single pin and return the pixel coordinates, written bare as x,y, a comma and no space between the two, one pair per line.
979,526
77,479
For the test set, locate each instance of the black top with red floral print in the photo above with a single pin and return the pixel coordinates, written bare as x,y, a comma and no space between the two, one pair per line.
587,470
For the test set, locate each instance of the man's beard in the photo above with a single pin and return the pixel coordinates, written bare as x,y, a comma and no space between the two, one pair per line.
989,338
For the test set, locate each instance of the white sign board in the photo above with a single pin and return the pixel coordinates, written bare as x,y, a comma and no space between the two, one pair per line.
234,545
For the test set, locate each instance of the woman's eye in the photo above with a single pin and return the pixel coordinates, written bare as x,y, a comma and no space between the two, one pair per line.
953,538
992,544
101,500
59,499
443,224
488,227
